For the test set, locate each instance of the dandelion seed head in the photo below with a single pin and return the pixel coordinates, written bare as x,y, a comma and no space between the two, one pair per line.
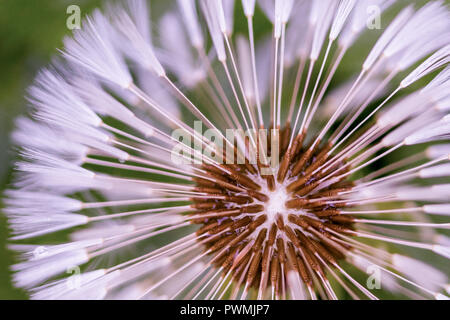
343,177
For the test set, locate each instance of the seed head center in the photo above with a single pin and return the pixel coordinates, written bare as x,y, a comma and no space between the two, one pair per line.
276,202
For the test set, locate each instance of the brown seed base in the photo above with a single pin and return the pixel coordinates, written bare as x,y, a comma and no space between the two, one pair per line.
264,258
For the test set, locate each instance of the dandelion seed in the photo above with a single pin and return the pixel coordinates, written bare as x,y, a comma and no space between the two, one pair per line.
326,183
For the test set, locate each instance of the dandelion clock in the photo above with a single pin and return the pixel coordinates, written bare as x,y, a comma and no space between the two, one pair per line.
221,149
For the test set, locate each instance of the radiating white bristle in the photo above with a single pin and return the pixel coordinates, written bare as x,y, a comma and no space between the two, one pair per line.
56,98
442,170
189,12
35,135
423,193
139,49
437,60
443,209
331,102
440,296
102,230
215,20
438,150
22,199
104,104
437,131
71,288
35,252
296,32
324,20
358,19
31,273
425,22
176,48
344,9
140,13
243,49
33,224
249,7
92,49
442,250
442,240
387,36
228,10
420,272
282,12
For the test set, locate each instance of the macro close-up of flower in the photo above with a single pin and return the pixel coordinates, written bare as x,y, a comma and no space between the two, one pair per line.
222,149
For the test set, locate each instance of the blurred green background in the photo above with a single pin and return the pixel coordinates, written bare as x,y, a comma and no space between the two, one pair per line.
30,32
